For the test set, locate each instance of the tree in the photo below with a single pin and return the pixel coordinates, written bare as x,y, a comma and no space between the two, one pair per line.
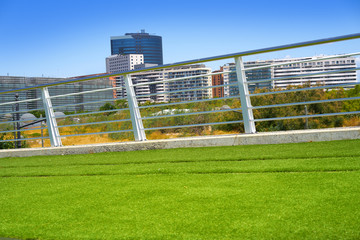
106,107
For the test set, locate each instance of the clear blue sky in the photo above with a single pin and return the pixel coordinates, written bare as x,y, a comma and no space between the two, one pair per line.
62,38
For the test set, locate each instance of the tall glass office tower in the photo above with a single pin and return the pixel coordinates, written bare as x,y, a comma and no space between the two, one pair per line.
139,43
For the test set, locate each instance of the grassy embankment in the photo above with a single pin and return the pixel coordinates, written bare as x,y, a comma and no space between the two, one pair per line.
285,191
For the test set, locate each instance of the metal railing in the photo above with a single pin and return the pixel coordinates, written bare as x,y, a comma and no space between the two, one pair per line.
138,119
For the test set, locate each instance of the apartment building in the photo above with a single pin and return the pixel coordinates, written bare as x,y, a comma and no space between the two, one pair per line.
257,74
313,67
193,83
170,73
293,69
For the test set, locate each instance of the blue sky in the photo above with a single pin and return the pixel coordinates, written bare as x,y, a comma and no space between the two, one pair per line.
66,38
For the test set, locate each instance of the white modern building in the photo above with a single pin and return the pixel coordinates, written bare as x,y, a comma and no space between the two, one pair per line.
156,90
334,64
293,69
123,62
192,83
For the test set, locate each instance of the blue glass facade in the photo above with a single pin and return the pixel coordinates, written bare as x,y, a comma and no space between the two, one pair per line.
251,75
139,43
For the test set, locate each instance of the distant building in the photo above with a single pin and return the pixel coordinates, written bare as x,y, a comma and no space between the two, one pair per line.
230,78
169,73
139,43
199,82
311,67
289,70
148,77
70,103
123,62
145,65
218,80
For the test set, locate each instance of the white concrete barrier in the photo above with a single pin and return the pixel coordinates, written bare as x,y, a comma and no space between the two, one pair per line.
297,136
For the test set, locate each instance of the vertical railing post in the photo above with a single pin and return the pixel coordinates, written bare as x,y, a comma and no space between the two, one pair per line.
51,123
136,121
17,118
247,112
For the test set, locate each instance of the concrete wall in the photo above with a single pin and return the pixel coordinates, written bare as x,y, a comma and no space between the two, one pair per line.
209,141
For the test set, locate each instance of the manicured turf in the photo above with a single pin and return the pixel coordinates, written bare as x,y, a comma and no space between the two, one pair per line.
285,191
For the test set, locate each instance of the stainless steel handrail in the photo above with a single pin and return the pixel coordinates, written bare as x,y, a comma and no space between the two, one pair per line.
96,112
185,102
193,125
24,139
302,61
95,133
91,102
307,116
186,90
93,123
181,78
21,101
193,113
305,103
305,89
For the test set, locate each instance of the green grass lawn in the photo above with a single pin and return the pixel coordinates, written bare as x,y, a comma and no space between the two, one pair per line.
284,191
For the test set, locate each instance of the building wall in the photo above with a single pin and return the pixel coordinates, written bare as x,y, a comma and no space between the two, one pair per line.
169,73
185,71
312,67
226,78
231,78
292,70
11,82
148,77
122,63
218,80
